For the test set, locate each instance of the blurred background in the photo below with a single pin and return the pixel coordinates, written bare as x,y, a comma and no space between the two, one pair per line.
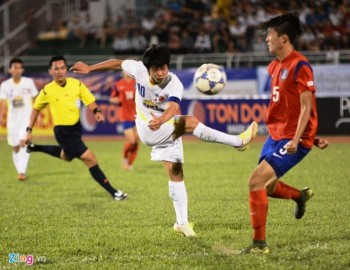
225,29
223,32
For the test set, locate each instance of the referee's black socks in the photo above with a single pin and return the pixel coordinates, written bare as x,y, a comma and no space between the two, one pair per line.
52,150
100,177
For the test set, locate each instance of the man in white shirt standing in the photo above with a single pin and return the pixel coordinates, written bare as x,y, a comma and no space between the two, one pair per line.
158,94
19,92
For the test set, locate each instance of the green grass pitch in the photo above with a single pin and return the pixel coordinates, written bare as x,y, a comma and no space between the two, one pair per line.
66,221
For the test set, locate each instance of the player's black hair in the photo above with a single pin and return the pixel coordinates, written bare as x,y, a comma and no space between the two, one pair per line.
157,56
57,58
287,24
14,61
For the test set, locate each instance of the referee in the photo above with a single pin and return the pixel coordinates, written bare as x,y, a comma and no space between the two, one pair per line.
64,95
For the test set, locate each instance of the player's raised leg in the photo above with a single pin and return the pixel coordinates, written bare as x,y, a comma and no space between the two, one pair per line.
281,190
190,124
248,135
52,150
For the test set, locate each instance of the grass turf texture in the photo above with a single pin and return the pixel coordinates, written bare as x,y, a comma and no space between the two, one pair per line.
62,215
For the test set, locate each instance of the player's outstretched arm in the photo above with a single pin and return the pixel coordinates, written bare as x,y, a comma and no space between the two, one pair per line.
82,68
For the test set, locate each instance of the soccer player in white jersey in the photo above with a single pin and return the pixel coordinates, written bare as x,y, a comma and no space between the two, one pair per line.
19,92
158,94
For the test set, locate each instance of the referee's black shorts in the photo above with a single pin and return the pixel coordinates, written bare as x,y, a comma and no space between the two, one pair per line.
69,138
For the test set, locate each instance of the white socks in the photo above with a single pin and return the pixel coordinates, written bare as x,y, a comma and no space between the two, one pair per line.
178,194
15,158
208,134
20,160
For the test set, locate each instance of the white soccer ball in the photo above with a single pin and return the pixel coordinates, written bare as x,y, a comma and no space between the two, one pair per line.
210,79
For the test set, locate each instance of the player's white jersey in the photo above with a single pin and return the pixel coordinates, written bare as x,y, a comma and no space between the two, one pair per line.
19,100
152,98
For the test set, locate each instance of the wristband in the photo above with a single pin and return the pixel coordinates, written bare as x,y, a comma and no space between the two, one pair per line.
28,129
96,110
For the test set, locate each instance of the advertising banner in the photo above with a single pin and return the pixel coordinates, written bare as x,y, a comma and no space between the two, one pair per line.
334,116
230,116
223,112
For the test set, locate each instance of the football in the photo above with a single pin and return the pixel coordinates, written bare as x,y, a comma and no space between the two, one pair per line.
210,79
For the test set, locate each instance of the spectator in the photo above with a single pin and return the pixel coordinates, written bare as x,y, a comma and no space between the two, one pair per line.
327,18
138,42
174,43
107,31
307,39
336,16
75,30
343,42
89,30
161,31
187,41
259,44
203,43
221,39
130,20
121,43
118,23
237,29
59,32
148,23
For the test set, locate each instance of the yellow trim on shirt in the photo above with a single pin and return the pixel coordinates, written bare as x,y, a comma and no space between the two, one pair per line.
144,118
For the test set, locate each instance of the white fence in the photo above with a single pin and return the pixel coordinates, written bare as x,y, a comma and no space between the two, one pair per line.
21,20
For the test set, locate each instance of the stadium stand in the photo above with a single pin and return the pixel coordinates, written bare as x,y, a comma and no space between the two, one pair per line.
225,26
186,27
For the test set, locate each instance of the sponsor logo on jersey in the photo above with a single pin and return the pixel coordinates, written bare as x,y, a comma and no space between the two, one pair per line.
149,104
18,102
159,99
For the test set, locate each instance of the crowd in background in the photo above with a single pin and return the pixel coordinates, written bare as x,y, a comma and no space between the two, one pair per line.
197,26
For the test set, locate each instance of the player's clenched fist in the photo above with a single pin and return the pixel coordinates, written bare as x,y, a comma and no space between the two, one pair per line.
291,147
154,123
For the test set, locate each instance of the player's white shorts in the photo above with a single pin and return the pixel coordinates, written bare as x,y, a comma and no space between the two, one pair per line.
164,148
15,133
